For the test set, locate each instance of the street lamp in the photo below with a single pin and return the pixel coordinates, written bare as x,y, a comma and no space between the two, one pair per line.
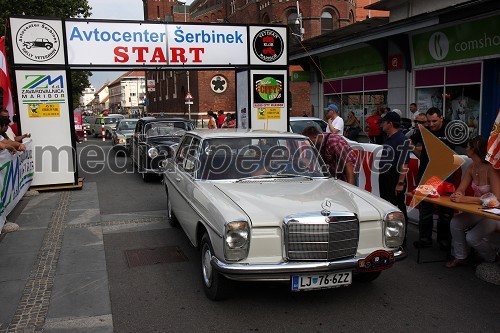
183,3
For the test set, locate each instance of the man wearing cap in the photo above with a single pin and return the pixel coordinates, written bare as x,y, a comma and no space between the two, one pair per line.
335,122
394,163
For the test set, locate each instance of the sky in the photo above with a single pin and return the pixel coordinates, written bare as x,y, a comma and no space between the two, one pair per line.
114,10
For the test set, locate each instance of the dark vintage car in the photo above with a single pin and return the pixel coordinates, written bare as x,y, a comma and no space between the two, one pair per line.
152,142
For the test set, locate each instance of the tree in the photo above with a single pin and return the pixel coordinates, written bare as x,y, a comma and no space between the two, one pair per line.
51,8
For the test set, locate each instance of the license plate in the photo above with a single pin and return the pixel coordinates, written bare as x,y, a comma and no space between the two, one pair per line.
321,281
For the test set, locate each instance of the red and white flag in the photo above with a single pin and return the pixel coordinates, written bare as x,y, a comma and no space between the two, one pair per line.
5,79
493,150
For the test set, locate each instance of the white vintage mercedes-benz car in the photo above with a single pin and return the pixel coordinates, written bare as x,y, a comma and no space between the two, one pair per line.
261,207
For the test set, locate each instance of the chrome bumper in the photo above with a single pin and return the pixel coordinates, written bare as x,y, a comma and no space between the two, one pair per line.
283,271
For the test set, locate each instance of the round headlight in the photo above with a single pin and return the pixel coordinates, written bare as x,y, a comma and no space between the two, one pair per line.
152,152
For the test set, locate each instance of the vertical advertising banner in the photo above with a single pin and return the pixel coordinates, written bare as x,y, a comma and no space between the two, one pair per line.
44,112
242,99
269,105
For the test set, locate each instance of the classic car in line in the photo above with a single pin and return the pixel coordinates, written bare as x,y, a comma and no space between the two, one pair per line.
262,206
121,135
152,142
109,123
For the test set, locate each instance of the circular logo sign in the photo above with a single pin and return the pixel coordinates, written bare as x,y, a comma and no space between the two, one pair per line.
439,45
269,89
218,84
38,41
268,45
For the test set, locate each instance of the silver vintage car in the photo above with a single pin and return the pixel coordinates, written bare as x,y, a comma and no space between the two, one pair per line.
261,206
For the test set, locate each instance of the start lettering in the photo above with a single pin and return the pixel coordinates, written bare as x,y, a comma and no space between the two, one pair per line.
139,54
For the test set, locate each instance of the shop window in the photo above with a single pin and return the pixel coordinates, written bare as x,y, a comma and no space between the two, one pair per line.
456,92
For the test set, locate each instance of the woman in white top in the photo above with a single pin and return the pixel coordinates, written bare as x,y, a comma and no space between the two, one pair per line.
483,179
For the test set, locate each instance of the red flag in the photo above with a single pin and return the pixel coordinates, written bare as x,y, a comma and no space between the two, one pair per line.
5,80
493,152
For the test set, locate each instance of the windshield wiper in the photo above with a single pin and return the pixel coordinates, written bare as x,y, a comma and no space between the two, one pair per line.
276,175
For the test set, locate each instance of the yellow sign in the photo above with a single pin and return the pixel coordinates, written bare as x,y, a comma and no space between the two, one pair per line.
269,113
44,110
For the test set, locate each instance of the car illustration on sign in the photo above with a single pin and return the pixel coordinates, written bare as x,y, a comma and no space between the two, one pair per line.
39,42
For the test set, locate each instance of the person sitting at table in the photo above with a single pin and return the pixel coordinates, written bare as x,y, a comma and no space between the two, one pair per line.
483,179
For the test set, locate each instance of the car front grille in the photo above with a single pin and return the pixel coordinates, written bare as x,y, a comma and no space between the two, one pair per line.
313,237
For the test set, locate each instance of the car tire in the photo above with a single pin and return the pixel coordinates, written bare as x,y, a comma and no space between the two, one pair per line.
172,219
214,284
366,277
146,177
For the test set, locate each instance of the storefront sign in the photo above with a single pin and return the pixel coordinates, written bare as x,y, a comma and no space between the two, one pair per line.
464,41
360,61
301,76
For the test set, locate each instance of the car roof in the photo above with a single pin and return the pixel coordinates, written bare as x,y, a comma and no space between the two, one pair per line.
153,119
115,116
239,133
304,118
130,119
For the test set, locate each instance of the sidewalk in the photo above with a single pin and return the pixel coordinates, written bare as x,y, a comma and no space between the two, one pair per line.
53,269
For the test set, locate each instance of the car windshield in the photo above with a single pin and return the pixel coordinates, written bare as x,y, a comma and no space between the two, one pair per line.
247,158
112,120
126,125
166,128
299,125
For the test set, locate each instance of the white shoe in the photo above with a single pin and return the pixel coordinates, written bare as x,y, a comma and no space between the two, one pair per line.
10,227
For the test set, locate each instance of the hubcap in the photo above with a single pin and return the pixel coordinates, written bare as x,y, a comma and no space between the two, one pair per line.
207,268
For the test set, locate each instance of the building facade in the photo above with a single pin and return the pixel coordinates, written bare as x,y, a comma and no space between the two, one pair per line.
437,54
87,97
127,94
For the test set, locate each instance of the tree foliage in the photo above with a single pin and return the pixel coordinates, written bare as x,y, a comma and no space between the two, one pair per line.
55,9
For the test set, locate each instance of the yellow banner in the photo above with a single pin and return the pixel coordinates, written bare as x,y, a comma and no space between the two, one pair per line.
44,110
269,113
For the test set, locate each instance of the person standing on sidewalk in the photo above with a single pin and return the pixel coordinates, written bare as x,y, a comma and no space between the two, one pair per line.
335,122
437,127
394,164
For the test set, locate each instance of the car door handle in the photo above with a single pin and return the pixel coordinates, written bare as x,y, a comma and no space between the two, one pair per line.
178,180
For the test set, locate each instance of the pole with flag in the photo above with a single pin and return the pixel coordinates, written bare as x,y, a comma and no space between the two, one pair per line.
493,150
5,80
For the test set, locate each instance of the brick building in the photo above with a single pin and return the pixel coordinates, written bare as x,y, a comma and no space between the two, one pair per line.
170,87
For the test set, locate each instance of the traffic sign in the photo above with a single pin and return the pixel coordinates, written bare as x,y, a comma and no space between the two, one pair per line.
188,97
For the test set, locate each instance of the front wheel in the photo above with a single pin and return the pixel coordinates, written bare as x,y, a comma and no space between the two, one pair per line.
366,277
172,219
214,284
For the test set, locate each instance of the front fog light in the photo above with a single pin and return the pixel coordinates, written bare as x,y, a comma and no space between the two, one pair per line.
236,240
394,229
152,152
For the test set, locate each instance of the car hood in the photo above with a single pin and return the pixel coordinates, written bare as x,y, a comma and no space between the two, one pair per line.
267,203
126,133
163,140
